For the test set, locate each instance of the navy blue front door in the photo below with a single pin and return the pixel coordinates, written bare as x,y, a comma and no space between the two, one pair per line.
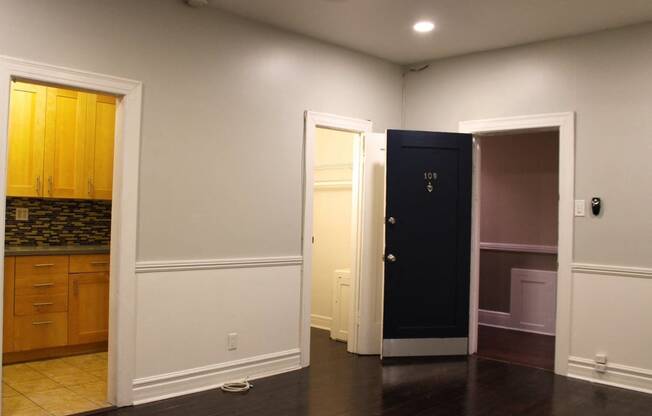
427,243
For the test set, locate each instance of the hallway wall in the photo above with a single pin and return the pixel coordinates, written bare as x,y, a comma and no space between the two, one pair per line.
220,171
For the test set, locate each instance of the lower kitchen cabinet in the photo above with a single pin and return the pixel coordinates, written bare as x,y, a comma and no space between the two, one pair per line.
88,308
54,303
8,306
43,330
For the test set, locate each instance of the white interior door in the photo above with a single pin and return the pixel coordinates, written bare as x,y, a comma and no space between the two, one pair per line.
372,228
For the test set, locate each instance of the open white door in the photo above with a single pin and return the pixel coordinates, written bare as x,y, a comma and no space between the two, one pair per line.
371,251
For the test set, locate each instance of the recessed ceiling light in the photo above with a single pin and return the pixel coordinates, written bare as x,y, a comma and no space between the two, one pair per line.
423,26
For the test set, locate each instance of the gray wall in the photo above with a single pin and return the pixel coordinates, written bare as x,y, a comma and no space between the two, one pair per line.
223,112
606,78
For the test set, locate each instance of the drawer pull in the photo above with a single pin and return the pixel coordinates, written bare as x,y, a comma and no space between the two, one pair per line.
43,284
44,265
42,304
41,323
99,263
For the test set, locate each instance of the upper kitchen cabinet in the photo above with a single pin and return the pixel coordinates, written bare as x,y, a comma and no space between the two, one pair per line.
65,141
60,143
100,133
26,140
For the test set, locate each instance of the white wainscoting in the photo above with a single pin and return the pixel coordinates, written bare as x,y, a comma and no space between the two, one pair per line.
532,303
612,315
321,322
533,300
186,309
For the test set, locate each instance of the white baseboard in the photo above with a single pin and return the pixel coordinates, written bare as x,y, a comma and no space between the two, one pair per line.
321,322
503,320
159,387
494,318
617,375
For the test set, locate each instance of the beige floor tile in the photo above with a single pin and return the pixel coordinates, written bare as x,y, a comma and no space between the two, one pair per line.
21,406
33,386
8,391
19,372
53,367
100,374
87,362
95,392
62,401
74,378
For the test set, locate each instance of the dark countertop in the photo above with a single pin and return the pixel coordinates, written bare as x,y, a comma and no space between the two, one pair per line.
54,250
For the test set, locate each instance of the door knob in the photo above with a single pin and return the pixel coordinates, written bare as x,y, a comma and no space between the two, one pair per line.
391,220
390,258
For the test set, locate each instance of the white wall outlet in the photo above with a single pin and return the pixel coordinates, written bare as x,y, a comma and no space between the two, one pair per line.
232,341
22,214
580,208
601,363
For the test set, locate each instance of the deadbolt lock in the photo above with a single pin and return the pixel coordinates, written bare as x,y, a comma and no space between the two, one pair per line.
391,220
390,258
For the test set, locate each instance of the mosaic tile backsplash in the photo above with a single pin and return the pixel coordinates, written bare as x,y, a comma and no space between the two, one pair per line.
57,222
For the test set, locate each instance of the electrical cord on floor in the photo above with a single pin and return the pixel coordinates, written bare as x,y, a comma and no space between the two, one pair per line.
237,386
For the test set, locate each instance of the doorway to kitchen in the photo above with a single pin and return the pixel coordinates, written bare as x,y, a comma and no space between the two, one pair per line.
57,248
75,137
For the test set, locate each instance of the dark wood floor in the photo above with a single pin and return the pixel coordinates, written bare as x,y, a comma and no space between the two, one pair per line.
341,384
517,347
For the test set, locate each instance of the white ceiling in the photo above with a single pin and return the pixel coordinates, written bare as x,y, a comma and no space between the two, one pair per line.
384,27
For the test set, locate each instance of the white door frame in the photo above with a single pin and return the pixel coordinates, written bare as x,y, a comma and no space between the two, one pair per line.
312,121
124,212
565,123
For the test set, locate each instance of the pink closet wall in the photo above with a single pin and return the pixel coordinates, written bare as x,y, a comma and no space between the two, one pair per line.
519,177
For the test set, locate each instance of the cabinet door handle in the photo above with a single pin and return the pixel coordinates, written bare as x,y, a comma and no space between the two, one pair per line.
90,192
42,284
38,185
41,322
50,185
44,265
42,304
99,263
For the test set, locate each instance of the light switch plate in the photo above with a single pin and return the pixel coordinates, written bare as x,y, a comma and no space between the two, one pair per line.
22,214
580,208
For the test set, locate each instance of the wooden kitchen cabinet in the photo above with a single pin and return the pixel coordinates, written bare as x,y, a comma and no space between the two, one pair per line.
88,310
8,306
61,143
100,131
65,143
26,140
54,304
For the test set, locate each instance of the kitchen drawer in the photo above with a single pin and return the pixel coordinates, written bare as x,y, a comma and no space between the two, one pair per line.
38,304
40,331
89,263
42,285
32,266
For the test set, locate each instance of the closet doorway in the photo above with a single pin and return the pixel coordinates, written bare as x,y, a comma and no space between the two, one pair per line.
333,233
518,183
